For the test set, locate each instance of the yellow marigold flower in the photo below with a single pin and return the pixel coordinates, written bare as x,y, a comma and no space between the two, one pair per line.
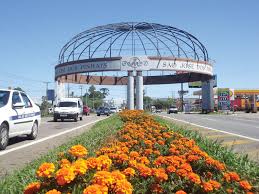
65,175
103,162
53,191
78,151
117,175
32,188
80,166
103,178
245,185
96,189
134,154
65,163
46,170
129,172
123,187
180,192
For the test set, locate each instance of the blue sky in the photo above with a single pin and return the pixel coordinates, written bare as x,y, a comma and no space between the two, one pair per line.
33,32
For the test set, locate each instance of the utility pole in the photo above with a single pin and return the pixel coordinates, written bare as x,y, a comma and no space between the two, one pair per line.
181,94
81,88
47,86
68,90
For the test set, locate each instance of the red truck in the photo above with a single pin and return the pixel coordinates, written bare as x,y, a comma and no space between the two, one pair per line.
86,110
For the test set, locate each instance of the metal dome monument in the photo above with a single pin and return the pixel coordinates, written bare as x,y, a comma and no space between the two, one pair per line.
134,50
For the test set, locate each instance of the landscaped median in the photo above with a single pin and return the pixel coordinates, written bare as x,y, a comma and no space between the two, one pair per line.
145,156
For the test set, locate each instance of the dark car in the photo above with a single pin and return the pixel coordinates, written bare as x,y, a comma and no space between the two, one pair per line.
103,111
86,110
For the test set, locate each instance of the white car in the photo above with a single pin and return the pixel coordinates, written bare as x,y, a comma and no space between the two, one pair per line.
69,108
19,115
113,110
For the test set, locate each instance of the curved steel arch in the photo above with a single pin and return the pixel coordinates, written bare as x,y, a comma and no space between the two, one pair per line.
148,35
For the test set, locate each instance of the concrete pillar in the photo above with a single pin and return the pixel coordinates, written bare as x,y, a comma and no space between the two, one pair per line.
130,91
139,91
207,96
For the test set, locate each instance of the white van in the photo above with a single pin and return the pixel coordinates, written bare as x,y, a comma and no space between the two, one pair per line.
69,108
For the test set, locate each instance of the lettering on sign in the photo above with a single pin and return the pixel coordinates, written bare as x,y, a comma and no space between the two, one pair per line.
134,63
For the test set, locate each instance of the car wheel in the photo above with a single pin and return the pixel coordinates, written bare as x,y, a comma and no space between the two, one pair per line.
76,118
62,120
34,131
108,115
4,136
81,118
55,119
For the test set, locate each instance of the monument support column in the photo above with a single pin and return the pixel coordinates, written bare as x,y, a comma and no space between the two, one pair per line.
207,96
130,91
139,91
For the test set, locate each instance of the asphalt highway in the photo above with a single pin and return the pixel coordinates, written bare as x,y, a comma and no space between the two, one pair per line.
21,151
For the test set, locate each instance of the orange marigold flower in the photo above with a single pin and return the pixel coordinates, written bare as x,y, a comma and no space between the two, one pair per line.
32,188
229,190
182,172
65,175
134,154
123,187
207,187
170,169
80,166
180,192
143,160
46,170
194,178
91,163
53,191
160,174
231,176
129,172
144,170
215,184
65,163
186,167
96,189
103,178
192,158
78,151
245,185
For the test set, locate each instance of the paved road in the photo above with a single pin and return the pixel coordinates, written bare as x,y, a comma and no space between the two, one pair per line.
51,134
238,131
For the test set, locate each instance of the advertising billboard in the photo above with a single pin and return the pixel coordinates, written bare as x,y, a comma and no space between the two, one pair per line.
223,99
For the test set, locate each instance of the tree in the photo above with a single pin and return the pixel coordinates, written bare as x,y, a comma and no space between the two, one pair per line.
105,92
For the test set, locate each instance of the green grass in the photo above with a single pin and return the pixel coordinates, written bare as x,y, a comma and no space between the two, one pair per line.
92,140
240,163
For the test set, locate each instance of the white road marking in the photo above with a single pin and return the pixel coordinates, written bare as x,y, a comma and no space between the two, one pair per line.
209,119
254,139
47,138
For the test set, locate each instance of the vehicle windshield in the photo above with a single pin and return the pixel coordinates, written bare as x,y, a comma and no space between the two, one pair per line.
4,97
67,104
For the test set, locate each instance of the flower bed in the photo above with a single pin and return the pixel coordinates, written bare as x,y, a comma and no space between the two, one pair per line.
145,157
